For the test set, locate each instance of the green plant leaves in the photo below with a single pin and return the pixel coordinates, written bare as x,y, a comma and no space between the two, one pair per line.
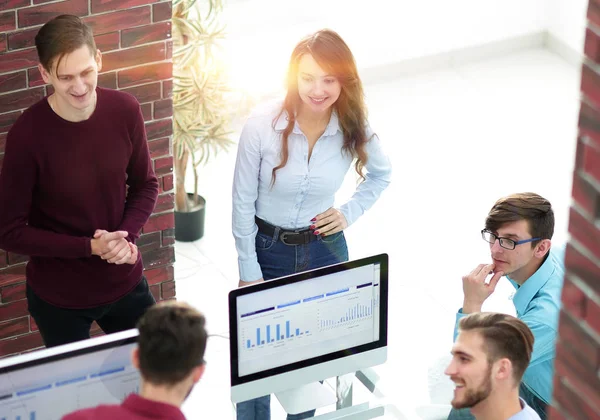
200,111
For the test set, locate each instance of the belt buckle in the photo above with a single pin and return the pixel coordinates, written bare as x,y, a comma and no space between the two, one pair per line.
283,236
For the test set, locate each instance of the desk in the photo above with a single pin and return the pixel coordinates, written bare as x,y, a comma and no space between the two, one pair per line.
212,394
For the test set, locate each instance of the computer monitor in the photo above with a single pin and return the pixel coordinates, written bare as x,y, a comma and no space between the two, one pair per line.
306,327
49,383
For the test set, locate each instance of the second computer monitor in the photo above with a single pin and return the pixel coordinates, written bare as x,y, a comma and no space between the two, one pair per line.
288,332
50,383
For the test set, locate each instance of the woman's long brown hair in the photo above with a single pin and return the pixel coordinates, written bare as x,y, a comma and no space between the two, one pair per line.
333,55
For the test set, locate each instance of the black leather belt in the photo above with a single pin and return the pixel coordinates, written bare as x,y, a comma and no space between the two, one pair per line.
288,237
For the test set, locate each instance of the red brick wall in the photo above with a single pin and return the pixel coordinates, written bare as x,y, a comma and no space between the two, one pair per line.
577,376
134,37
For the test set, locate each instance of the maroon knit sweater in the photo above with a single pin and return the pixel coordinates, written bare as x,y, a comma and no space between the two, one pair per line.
62,180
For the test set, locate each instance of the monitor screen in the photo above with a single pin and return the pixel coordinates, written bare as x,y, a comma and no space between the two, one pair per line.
47,384
307,319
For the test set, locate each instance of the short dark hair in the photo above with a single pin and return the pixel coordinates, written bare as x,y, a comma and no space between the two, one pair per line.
504,336
60,36
533,208
172,340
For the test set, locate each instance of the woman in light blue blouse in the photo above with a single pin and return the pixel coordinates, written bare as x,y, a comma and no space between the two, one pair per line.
292,159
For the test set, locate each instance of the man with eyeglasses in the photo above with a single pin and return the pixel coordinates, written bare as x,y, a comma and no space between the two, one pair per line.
519,230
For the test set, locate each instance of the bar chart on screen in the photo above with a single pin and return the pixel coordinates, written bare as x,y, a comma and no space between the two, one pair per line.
21,413
348,312
271,334
275,333
296,323
346,315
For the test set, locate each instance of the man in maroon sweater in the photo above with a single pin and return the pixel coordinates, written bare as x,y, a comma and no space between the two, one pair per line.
170,357
76,188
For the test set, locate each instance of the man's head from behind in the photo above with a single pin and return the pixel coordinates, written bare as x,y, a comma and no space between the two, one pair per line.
171,344
490,355
519,228
69,60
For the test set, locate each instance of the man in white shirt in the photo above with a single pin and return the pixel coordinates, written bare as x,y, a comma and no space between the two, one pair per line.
489,358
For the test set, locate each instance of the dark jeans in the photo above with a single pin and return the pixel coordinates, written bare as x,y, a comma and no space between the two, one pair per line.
277,259
532,400
61,326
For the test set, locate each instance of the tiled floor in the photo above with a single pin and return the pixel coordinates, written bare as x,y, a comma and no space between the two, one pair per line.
458,138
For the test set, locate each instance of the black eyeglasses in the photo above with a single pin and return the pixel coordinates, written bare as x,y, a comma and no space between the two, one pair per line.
505,243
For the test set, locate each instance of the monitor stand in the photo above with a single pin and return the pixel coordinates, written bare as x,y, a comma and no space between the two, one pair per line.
306,398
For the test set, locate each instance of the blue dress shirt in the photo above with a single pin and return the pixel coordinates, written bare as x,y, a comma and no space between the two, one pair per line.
538,303
303,188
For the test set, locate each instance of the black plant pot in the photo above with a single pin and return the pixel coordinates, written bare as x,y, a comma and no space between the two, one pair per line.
189,225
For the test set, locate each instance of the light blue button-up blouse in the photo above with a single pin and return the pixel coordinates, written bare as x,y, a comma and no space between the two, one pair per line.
303,188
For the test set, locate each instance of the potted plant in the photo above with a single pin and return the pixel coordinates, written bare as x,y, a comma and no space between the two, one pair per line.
200,114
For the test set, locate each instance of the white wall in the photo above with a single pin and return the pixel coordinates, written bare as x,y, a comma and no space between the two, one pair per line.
567,21
262,33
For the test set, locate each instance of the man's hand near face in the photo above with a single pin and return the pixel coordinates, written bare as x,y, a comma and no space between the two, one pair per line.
475,289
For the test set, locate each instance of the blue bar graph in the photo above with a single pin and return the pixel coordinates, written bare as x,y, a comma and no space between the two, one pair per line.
272,334
32,415
354,313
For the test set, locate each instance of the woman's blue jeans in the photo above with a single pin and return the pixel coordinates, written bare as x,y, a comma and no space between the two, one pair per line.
277,259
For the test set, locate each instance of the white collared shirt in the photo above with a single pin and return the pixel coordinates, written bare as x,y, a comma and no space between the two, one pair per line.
526,413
